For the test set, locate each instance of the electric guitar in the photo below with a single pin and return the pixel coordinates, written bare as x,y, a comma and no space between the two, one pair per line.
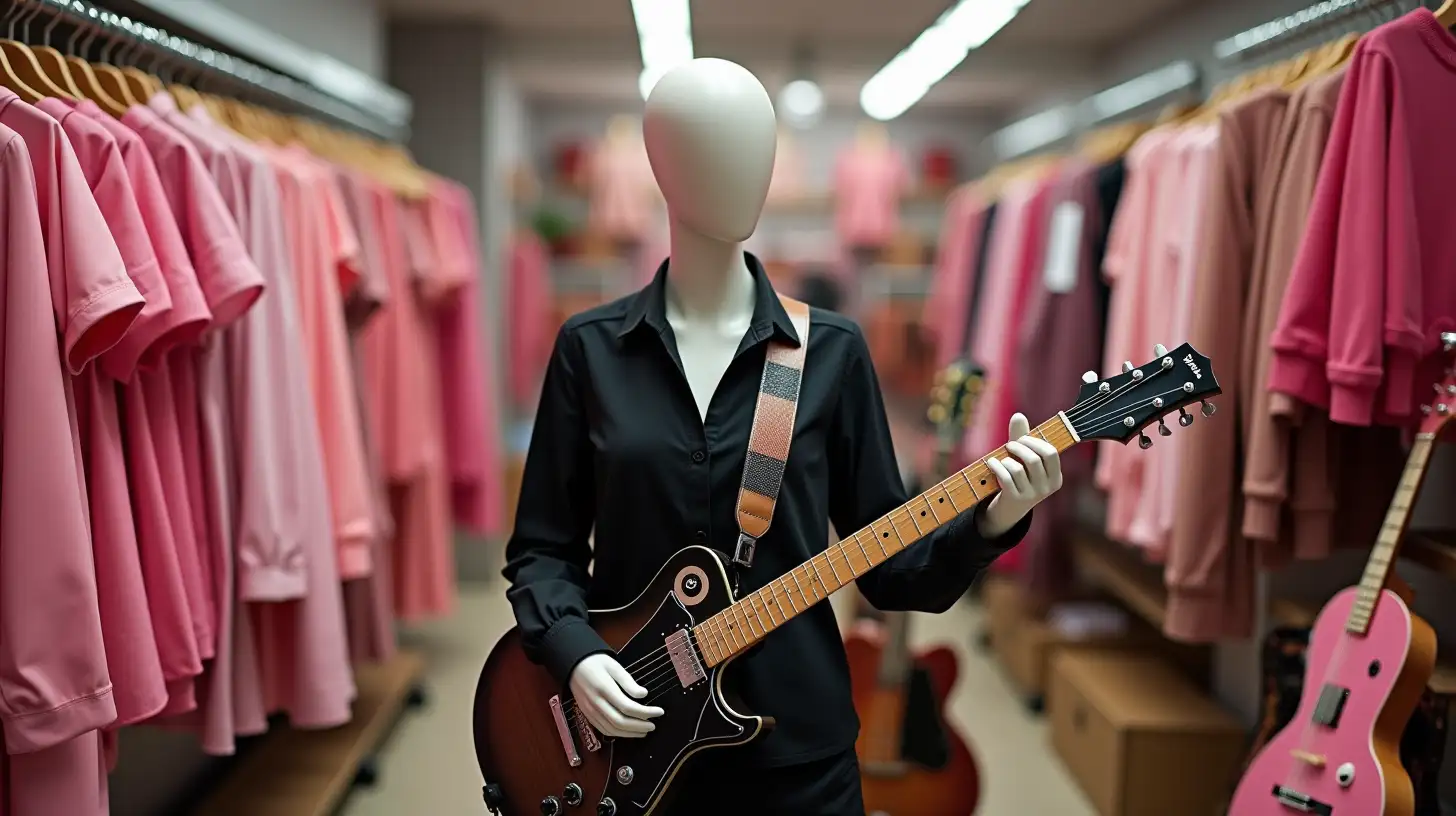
679,638
1368,663
912,762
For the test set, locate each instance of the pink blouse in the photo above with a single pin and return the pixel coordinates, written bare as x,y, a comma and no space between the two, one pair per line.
868,185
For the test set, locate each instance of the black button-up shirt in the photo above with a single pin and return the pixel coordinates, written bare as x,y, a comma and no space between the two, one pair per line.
620,449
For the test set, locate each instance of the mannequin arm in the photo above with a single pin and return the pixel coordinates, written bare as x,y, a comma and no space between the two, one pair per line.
548,553
865,484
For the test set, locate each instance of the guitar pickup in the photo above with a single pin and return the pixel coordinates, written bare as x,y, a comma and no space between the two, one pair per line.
1302,803
563,730
685,659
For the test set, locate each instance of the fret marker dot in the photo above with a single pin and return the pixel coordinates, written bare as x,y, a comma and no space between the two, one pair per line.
922,512
983,482
940,501
886,535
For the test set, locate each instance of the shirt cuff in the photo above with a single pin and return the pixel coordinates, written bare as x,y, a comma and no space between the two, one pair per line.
266,584
36,731
568,643
1299,377
1352,404
995,547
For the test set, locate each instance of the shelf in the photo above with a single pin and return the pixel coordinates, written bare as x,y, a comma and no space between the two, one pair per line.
1122,573
308,773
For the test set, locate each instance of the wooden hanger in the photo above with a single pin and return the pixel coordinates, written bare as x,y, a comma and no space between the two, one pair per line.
92,89
187,99
54,65
139,83
28,69
114,82
1446,14
10,79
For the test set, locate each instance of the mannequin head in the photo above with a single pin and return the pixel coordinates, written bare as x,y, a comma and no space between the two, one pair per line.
710,133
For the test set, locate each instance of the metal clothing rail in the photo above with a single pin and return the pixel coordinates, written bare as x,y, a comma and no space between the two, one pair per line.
1300,22
297,95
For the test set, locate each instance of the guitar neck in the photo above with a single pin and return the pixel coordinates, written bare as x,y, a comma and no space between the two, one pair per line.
1387,543
740,626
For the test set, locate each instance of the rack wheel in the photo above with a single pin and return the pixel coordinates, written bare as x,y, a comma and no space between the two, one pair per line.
367,774
1036,704
417,697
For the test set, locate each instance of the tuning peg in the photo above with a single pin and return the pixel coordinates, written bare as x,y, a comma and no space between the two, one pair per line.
936,414
1163,429
1426,409
1144,442
1160,350
1208,408
1451,389
1448,340
1443,409
1184,418
1126,366
1089,377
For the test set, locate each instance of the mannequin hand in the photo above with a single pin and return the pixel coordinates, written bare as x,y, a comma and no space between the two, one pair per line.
1029,475
604,692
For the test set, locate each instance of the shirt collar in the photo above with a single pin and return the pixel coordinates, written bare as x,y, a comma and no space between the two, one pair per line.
649,307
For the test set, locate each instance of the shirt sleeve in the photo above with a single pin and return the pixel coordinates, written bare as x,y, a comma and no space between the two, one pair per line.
548,553
864,484
229,279
344,245
54,683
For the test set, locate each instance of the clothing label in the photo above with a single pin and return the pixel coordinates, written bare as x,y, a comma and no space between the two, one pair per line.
1064,248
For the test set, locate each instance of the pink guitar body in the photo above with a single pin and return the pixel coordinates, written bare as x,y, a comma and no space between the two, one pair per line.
1340,756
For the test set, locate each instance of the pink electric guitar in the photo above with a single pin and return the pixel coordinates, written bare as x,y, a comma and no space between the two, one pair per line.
1369,661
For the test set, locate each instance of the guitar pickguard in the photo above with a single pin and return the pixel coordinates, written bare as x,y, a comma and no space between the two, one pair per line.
694,717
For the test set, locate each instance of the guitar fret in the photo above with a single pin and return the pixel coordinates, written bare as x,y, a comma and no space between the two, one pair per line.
767,609
839,581
967,480
919,532
818,579
860,544
799,587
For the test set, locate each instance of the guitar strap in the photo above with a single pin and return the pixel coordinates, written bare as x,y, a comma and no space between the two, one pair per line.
773,431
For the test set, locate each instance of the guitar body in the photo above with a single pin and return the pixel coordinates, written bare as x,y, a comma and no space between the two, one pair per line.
952,787
520,748
1356,768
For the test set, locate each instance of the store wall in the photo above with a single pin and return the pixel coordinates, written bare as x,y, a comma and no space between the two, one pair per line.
351,31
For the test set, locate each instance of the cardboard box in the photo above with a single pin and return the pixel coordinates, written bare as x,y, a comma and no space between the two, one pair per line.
1029,653
1138,736
1005,603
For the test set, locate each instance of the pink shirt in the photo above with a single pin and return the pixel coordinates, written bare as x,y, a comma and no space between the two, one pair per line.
131,643
322,245
53,669
529,328
620,190
950,289
1371,290
868,185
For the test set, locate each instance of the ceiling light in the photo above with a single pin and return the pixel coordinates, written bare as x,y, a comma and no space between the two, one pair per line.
665,35
936,52
801,102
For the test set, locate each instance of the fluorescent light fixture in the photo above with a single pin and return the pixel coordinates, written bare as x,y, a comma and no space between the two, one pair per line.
801,102
936,52
665,34
1137,92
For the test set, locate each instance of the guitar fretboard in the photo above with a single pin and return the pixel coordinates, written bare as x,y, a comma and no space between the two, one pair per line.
748,621
1382,555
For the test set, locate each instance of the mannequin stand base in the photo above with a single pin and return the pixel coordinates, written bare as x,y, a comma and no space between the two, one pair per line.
310,773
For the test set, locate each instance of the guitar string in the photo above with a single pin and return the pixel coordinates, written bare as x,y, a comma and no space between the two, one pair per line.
657,669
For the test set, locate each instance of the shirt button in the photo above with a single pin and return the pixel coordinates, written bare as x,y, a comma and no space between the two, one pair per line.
699,456
701,537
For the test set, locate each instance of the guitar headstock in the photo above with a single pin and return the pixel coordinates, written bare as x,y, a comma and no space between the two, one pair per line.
1443,407
1121,406
953,399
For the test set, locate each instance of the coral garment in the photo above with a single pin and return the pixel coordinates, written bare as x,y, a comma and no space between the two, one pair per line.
528,289
620,190
1371,289
868,185
955,273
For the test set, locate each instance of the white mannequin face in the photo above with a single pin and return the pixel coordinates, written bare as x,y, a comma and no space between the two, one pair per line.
710,133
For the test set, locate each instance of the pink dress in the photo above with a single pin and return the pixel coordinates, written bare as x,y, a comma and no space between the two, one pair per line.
131,643
472,429
868,186
57,690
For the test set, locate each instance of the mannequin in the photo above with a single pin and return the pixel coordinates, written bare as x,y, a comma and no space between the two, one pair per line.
710,135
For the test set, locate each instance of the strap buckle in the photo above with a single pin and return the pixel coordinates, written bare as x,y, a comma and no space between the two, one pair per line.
743,551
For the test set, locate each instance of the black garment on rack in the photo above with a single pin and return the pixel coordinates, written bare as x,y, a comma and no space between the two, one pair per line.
978,273
1110,179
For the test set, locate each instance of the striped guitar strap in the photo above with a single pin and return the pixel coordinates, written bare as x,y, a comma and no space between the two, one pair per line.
773,431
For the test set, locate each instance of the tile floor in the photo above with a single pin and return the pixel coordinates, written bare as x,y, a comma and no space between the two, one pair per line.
427,767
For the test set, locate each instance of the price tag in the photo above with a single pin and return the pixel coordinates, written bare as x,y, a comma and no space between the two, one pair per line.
1064,247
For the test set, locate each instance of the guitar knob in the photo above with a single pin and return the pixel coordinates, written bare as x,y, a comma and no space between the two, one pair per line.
1184,418
1160,350
1089,377
607,807
1208,408
551,806
1127,366
573,794
1144,442
1163,429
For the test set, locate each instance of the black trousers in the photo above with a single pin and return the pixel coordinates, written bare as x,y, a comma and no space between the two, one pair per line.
716,783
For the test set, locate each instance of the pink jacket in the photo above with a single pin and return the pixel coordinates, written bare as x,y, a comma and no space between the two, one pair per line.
1372,287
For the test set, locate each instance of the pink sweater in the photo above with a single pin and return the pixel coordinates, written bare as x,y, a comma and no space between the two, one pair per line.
1372,287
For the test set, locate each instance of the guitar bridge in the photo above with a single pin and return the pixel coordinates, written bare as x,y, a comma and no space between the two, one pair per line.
1302,803
563,730
685,658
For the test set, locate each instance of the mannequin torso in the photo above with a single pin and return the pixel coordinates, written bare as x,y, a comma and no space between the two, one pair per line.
710,133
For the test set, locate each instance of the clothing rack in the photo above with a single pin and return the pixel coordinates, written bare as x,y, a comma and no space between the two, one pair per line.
387,121
1051,126
1277,32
